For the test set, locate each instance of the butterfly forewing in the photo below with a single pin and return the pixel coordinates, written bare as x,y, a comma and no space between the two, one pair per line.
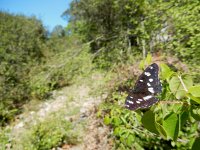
147,85
148,81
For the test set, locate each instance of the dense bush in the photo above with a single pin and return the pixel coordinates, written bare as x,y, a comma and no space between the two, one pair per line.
21,43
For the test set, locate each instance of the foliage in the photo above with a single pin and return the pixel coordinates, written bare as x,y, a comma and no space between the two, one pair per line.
120,28
61,70
4,138
21,47
52,132
170,124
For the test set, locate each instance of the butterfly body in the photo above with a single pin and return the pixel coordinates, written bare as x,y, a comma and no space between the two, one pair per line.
147,86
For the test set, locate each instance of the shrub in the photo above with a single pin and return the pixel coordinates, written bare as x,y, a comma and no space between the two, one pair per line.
171,124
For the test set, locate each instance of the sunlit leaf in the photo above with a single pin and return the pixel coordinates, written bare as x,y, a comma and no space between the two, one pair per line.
148,59
195,90
130,139
106,120
177,88
166,72
142,64
196,99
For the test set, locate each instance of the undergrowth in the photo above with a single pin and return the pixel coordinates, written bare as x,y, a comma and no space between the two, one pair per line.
61,70
170,124
54,131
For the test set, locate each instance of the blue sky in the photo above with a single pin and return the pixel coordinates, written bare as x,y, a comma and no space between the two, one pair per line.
49,11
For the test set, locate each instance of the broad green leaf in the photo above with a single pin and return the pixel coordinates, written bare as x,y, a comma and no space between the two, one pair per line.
148,120
196,99
166,72
171,126
177,88
196,144
161,130
195,90
177,107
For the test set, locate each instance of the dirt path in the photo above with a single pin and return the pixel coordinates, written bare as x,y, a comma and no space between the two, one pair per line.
95,137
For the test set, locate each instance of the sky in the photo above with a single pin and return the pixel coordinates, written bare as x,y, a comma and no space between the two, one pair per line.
49,11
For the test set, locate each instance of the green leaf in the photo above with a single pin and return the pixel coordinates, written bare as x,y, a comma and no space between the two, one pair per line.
195,113
195,90
142,64
183,118
130,139
116,121
171,125
166,72
161,130
176,86
196,99
106,120
148,59
116,131
196,144
148,120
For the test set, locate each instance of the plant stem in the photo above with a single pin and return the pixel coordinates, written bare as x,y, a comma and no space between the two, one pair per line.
183,84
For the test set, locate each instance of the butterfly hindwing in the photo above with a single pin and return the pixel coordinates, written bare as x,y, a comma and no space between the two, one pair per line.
135,101
146,87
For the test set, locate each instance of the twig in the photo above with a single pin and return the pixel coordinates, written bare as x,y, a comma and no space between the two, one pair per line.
174,102
183,84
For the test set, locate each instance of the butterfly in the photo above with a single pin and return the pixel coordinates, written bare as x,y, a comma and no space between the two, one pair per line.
146,88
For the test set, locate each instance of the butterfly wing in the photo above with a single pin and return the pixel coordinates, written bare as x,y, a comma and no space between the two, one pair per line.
147,85
136,101
148,82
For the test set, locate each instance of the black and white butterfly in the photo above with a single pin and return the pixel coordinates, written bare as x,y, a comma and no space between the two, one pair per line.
147,86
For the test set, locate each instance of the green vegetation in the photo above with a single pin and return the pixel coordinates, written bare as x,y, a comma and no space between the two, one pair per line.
53,132
109,37
175,118
22,41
